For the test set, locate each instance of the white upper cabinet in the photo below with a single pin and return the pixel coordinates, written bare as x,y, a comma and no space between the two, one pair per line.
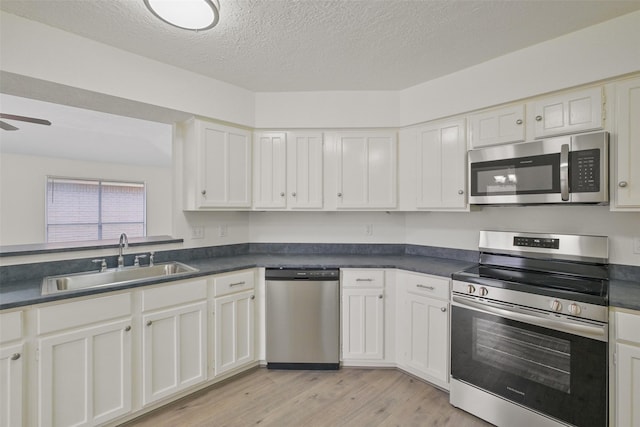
305,153
270,170
217,166
498,126
366,170
441,153
288,170
572,112
625,175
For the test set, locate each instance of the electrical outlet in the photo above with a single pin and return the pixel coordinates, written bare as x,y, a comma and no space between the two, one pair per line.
197,232
368,229
636,245
223,230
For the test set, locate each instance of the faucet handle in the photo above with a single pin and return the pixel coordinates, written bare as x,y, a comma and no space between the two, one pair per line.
136,260
103,263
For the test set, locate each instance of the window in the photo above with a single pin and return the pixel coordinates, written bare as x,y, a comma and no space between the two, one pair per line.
93,209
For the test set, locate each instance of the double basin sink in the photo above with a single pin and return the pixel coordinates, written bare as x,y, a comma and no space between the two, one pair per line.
112,277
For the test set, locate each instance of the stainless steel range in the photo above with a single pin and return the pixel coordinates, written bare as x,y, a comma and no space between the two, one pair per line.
529,330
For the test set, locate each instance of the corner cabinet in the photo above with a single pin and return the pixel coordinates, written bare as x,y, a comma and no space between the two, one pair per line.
572,112
625,176
440,155
288,170
625,405
423,327
217,166
367,165
84,361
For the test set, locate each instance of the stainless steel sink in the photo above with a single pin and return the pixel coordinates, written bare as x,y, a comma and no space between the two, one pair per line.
111,277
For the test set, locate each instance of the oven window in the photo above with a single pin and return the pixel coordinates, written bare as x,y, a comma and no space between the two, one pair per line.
536,357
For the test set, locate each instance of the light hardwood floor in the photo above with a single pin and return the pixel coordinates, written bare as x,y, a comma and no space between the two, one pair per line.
348,397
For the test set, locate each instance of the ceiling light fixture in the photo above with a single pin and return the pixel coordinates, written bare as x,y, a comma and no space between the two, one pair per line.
194,15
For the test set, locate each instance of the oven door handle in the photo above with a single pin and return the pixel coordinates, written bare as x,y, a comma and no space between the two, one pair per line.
582,328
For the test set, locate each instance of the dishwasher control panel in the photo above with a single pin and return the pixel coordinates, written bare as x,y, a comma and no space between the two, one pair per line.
302,274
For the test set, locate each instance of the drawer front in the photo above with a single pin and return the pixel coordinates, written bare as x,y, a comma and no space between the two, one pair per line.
174,294
365,278
10,326
234,282
430,286
80,313
628,327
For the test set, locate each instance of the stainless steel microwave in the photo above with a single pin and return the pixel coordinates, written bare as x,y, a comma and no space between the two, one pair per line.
567,169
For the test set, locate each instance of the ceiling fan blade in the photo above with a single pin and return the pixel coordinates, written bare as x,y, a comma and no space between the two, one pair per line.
25,119
7,126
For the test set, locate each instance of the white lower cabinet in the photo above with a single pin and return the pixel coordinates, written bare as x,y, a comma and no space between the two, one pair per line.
11,369
423,327
625,403
363,317
84,361
234,321
174,325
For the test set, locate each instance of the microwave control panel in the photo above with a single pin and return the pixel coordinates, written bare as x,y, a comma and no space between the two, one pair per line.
585,171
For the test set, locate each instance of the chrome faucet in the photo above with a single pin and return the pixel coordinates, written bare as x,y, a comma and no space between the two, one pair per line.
123,244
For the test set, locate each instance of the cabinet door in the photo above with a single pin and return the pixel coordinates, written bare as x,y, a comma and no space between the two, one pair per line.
497,127
270,173
174,349
626,176
11,379
362,324
234,319
366,170
85,375
441,169
425,337
225,167
305,154
568,113
628,386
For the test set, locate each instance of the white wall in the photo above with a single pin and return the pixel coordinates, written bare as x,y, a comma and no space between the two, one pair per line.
595,53
22,193
326,227
460,230
38,51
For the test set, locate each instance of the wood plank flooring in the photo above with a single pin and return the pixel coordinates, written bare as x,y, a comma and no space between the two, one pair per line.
348,397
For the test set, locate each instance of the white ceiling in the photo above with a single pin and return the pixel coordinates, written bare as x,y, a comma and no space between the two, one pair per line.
309,45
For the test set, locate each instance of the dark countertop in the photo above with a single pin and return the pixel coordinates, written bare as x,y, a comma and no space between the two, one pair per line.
27,292
624,294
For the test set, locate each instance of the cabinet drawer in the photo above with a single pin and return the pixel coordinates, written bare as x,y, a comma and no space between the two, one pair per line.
231,283
10,326
80,313
174,294
429,286
368,278
628,327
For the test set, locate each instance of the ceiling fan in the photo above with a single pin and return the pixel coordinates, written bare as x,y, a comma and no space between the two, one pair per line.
6,126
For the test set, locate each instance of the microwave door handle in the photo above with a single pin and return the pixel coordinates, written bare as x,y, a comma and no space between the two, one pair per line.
564,172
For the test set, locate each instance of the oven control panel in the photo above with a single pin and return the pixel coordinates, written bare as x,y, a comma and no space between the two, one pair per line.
536,242
534,301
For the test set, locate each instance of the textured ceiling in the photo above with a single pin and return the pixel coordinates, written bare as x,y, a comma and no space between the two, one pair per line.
276,45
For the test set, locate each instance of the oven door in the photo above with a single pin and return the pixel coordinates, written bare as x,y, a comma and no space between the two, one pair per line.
554,372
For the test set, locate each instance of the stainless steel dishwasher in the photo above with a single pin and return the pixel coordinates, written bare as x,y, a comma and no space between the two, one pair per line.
303,318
